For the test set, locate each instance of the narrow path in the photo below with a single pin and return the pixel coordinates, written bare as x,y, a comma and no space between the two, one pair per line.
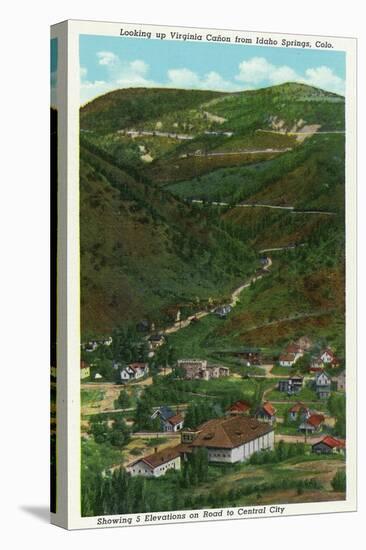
294,317
268,151
300,133
259,205
279,248
200,314
242,205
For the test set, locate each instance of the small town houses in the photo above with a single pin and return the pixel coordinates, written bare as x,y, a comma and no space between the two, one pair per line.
84,370
329,445
227,440
231,439
239,407
132,372
328,358
92,345
156,464
197,369
322,383
291,385
312,424
249,356
299,411
155,341
169,421
290,355
266,413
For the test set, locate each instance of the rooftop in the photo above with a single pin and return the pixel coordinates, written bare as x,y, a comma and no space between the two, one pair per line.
269,408
332,442
240,406
156,459
229,433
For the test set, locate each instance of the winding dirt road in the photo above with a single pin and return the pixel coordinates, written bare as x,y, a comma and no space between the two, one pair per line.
233,301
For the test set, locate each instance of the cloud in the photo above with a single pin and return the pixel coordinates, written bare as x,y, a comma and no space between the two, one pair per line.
258,71
324,77
252,73
107,58
185,78
119,74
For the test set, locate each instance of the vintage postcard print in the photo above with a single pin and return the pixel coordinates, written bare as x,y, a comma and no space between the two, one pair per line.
206,192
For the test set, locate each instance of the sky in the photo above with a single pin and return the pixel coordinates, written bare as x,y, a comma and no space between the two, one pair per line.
108,63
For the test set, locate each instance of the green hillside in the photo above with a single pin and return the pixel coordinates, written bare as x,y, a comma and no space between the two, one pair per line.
144,253
285,180
138,106
189,125
147,249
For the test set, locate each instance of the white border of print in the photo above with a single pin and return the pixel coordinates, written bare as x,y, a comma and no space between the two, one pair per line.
72,418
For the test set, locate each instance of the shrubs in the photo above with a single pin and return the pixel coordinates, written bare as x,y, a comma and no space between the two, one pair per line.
339,481
117,435
281,452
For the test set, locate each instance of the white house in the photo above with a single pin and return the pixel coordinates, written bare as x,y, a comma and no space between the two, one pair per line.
328,357
292,354
173,424
156,464
322,384
84,370
287,359
170,422
134,371
231,439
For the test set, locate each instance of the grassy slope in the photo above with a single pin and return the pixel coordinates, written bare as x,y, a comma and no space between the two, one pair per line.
137,106
311,176
143,251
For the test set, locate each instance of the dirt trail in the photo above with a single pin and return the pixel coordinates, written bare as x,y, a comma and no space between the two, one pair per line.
259,205
233,301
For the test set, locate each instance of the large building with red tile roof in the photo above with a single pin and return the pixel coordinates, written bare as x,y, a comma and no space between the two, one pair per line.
232,439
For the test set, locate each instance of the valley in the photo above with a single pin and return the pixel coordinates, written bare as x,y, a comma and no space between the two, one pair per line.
212,239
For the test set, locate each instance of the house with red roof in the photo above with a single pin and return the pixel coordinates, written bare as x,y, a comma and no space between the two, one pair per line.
170,421
266,413
312,424
230,439
134,371
299,411
173,424
156,464
239,407
328,358
329,445
290,355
